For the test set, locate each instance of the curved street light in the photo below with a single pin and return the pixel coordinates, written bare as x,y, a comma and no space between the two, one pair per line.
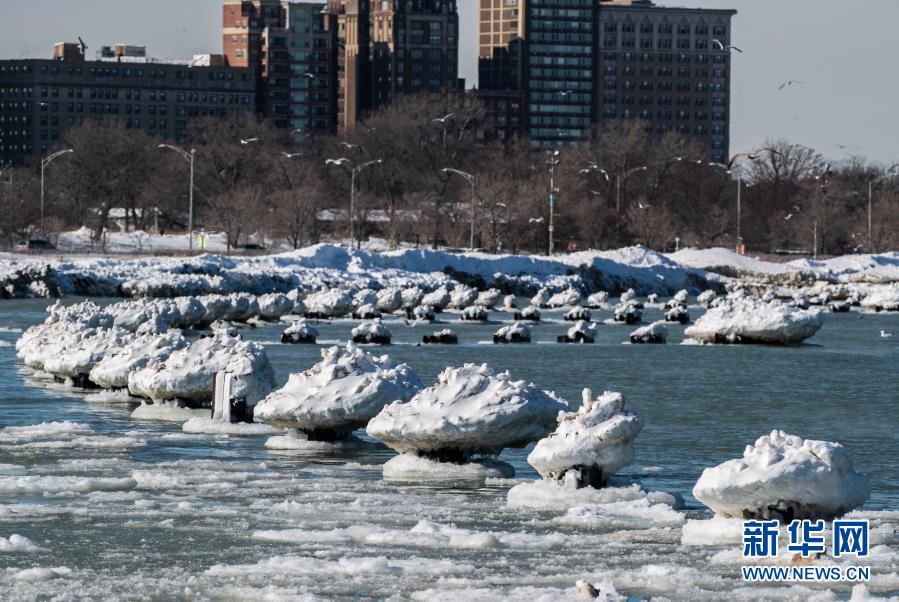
44,163
735,171
891,172
189,157
354,171
472,181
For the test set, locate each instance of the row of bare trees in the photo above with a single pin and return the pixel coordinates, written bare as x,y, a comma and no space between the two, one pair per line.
432,175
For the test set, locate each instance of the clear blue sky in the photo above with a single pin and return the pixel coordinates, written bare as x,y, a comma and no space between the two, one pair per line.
843,51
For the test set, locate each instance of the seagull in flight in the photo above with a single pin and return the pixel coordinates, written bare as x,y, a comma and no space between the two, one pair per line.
789,83
292,155
249,140
340,161
351,146
797,210
536,220
643,205
445,118
722,46
564,92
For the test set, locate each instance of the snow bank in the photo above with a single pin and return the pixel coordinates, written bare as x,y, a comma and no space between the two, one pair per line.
187,374
589,445
470,410
785,477
750,320
339,394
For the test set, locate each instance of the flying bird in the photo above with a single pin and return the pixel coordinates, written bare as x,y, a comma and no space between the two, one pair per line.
351,146
564,92
789,83
722,46
445,118
536,220
340,161
292,155
249,140
643,205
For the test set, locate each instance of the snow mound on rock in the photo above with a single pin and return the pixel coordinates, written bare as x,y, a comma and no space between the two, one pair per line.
188,373
112,371
340,393
786,477
598,438
469,410
742,319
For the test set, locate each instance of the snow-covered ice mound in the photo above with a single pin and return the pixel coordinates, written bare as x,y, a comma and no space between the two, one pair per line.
884,298
678,313
366,311
438,299
371,332
274,305
581,332
424,313
530,313
514,333
589,445
627,312
751,320
470,410
784,477
474,313
489,299
329,303
597,300
565,298
339,394
299,331
441,337
187,374
577,313
462,296
167,411
656,332
112,371
390,299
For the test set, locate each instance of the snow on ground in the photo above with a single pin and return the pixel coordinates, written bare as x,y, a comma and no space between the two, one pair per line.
783,476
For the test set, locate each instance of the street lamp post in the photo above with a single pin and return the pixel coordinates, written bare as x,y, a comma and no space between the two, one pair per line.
44,163
472,181
739,178
552,162
354,171
190,157
891,173
619,180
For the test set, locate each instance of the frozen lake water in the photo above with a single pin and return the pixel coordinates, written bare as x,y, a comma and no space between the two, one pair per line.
121,508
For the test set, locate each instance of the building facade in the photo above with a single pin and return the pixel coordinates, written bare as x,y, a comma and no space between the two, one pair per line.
312,45
579,63
41,98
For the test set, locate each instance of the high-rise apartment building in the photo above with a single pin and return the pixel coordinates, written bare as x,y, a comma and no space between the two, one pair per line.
585,62
41,98
323,64
388,47
254,36
312,45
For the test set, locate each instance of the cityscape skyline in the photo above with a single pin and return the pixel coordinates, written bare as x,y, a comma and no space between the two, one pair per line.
772,55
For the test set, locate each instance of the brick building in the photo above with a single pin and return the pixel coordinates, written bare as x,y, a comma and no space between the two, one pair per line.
40,98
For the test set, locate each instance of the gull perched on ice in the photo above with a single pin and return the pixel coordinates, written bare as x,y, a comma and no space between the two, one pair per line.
885,334
722,46
789,83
